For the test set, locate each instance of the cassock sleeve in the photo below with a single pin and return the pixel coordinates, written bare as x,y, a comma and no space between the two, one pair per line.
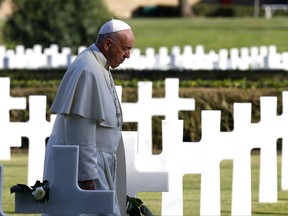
81,131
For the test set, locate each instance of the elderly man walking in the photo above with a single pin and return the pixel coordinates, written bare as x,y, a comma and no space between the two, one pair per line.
88,110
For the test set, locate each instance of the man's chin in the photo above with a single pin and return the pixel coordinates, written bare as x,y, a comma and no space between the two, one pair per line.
116,65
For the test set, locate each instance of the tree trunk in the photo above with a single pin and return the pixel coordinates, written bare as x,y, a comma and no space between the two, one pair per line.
185,10
256,8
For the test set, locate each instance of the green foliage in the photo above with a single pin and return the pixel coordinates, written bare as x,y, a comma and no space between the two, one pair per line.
69,23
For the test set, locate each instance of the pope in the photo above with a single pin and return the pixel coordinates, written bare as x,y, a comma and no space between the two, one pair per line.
89,113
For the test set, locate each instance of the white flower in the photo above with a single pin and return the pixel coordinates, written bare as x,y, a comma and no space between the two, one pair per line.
39,193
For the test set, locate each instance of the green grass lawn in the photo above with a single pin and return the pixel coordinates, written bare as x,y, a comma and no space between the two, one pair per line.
213,33
15,171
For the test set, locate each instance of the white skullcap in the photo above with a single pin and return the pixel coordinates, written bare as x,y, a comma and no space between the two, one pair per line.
113,25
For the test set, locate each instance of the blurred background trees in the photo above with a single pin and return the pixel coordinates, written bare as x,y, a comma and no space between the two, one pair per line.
70,23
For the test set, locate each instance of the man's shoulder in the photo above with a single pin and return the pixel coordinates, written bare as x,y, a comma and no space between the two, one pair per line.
85,61
84,55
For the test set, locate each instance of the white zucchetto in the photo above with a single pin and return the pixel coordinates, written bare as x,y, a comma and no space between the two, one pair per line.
113,25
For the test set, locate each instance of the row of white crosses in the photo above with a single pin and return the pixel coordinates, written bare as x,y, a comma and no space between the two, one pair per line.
37,111
164,172
36,57
263,57
245,58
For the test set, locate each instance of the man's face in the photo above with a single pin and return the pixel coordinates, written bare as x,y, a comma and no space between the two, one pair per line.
120,47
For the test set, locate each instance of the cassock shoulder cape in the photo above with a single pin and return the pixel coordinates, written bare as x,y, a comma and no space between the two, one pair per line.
84,90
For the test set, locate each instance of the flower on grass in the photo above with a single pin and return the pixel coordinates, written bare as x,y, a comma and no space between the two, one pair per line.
40,191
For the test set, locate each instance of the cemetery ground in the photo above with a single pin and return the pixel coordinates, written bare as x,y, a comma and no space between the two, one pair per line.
15,172
208,94
214,34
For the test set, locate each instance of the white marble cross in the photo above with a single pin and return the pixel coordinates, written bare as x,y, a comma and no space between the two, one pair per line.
218,146
182,158
66,198
140,168
7,137
260,135
146,107
37,129
267,139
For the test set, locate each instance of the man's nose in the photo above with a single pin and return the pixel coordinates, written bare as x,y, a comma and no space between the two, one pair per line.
127,54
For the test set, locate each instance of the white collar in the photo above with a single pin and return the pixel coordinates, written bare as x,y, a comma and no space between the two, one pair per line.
100,54
94,47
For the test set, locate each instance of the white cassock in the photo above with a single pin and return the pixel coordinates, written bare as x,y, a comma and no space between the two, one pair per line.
89,115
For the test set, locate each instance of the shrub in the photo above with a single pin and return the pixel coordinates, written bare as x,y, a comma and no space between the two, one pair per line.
71,23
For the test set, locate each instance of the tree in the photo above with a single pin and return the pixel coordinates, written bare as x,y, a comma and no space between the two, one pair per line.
69,23
185,9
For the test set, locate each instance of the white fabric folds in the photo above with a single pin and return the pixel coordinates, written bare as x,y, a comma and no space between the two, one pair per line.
84,91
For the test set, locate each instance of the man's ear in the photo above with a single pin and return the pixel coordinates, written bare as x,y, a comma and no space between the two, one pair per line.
107,43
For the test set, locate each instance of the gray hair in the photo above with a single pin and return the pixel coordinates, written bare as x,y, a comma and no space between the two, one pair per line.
102,37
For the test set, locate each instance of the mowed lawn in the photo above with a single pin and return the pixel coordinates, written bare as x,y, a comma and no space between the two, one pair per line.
212,33
15,171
